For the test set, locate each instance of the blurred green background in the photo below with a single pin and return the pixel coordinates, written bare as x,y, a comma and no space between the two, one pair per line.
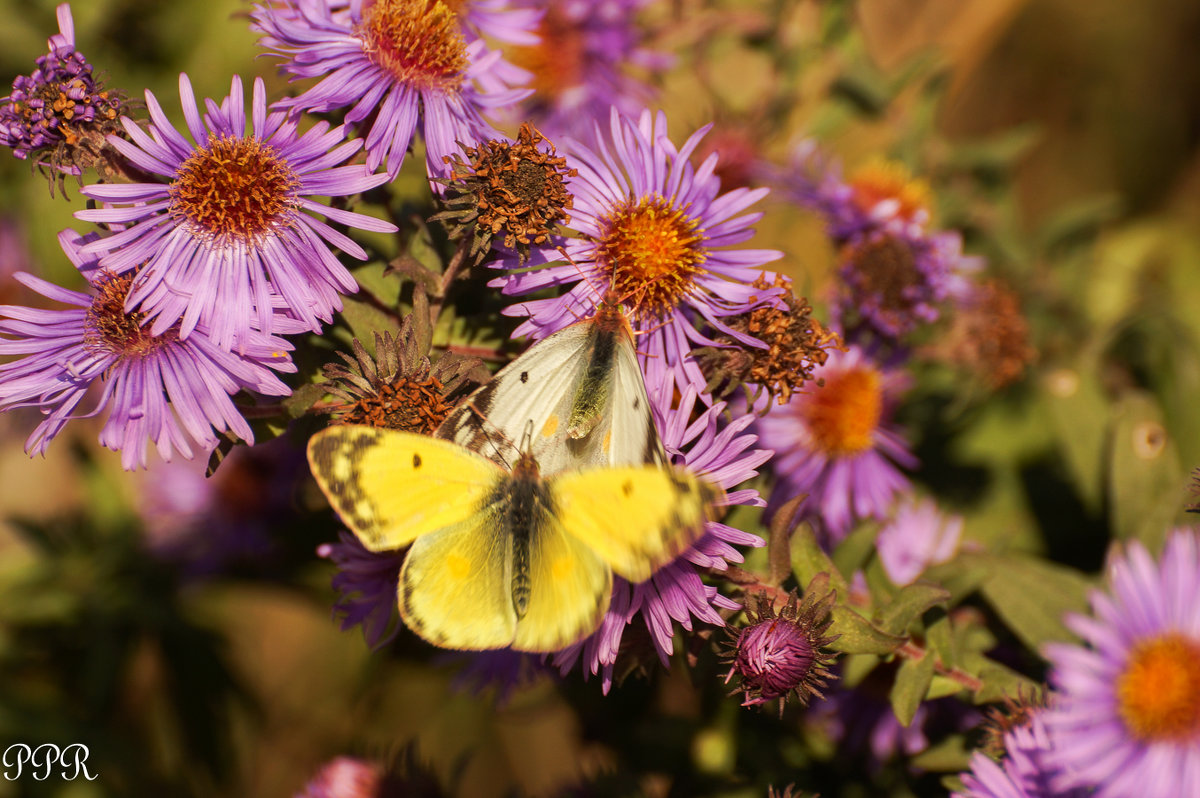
1059,135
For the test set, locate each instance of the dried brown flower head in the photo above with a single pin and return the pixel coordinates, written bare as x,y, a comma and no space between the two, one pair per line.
1000,720
399,388
989,336
517,190
796,344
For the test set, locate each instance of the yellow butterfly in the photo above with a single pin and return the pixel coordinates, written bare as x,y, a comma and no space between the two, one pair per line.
505,558
582,391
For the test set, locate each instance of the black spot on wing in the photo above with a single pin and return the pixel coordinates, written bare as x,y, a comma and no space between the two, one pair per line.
627,488
524,377
416,460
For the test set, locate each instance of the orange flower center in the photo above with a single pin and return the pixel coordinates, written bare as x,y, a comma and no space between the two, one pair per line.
234,190
109,328
1158,694
418,41
653,251
842,415
881,180
557,60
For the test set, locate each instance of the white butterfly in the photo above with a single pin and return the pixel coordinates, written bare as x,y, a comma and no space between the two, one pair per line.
582,393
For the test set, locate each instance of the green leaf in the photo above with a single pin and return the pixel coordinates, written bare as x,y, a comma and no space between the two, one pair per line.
910,604
809,559
999,682
302,399
1031,596
1079,414
950,755
913,678
364,320
943,686
939,639
1145,477
860,636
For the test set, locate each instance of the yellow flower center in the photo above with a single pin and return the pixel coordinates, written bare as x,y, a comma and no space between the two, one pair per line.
557,60
1158,694
842,415
880,180
109,328
234,190
418,41
653,252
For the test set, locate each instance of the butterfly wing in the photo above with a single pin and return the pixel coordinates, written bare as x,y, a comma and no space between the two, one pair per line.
392,487
455,585
636,519
536,388
582,391
570,587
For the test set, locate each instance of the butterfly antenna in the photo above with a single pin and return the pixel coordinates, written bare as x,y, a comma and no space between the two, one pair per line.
494,433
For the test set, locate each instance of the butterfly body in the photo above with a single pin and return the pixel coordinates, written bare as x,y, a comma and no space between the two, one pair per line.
504,558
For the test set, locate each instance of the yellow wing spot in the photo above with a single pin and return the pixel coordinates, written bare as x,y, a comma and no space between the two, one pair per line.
607,441
551,425
561,568
458,566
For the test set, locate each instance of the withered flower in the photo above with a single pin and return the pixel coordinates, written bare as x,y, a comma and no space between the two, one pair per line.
514,190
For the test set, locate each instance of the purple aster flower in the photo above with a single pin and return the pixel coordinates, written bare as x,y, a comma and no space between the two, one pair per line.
232,226
895,273
209,525
835,443
777,654
861,720
392,62
587,60
60,112
675,593
1127,718
157,386
654,230
1026,771
916,537
366,584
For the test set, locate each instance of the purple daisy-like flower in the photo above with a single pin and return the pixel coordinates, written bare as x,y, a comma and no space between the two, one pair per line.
366,584
656,232
1127,718
916,537
157,386
1026,771
835,444
586,62
207,525
895,273
233,224
724,456
61,111
392,62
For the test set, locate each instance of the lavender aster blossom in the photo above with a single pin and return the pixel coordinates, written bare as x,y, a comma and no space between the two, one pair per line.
1127,719
60,111
393,62
835,444
157,386
916,537
675,593
1026,771
657,232
584,64
895,273
366,584
232,225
